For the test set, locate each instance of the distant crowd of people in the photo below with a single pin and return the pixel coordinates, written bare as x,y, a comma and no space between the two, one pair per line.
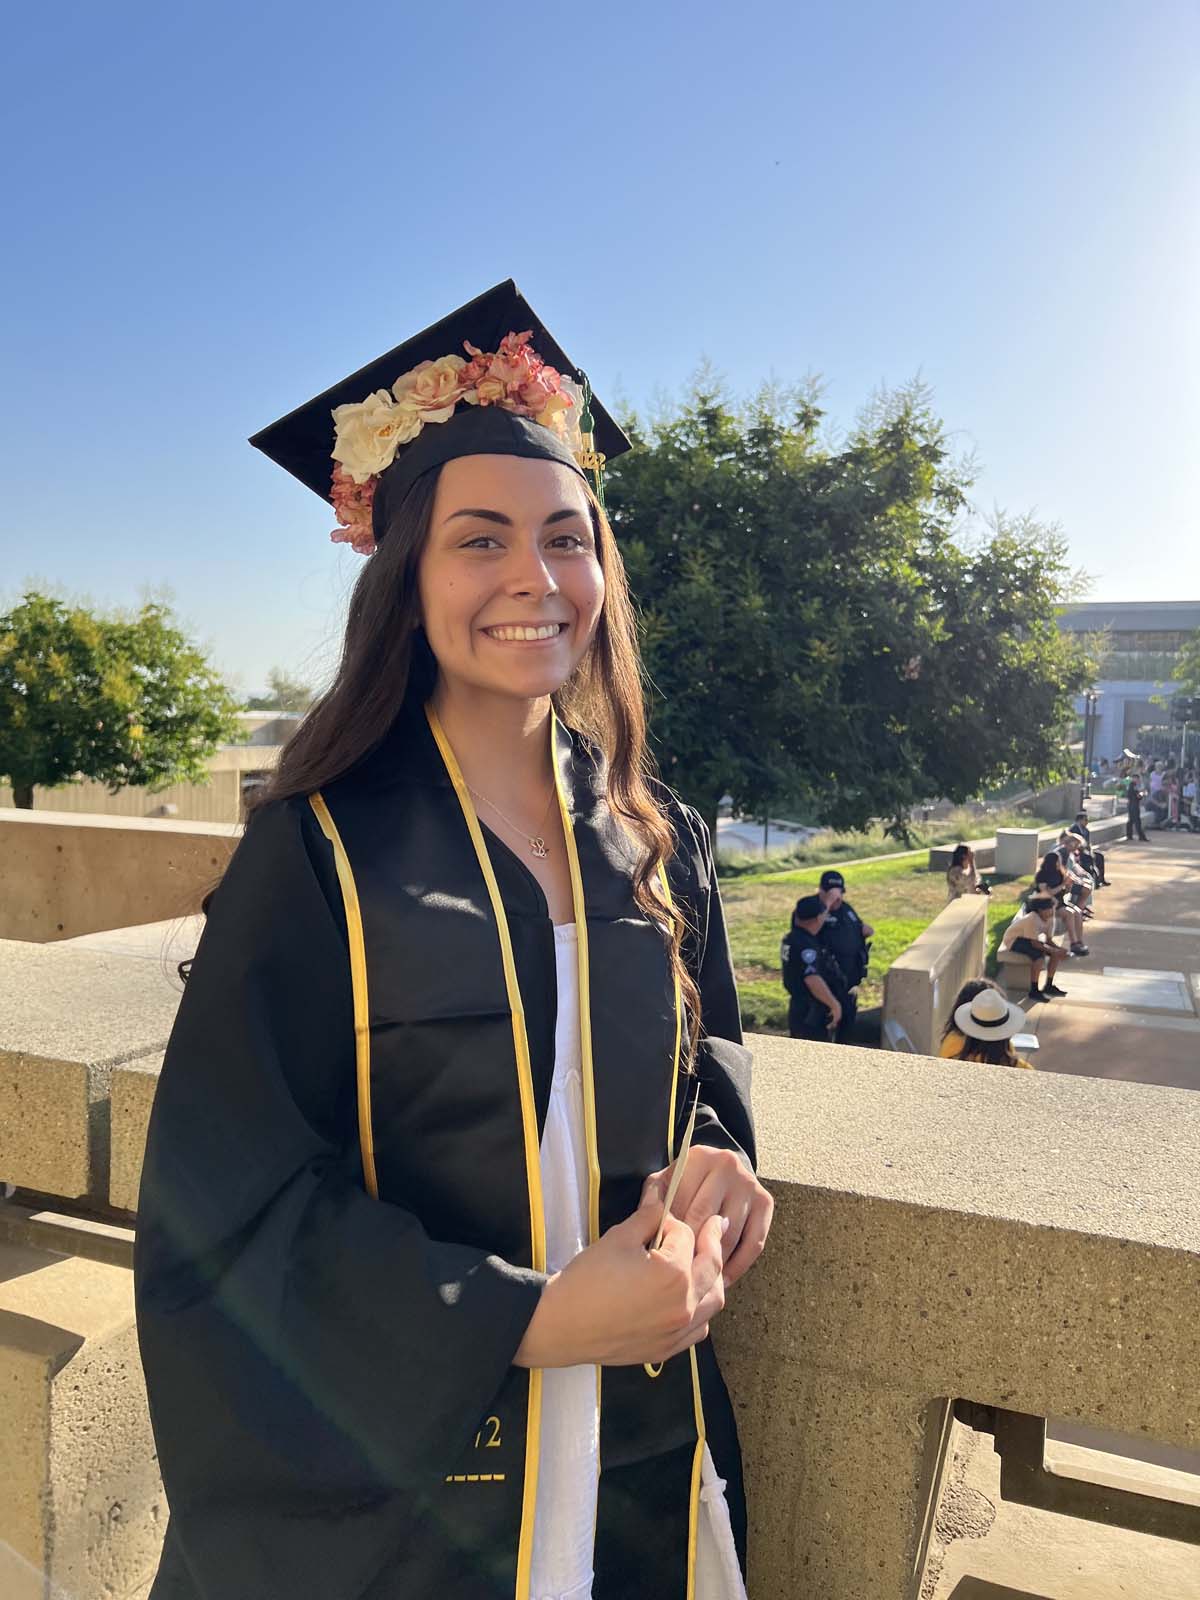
1162,795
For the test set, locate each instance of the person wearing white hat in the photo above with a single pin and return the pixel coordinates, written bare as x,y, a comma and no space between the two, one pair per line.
987,1023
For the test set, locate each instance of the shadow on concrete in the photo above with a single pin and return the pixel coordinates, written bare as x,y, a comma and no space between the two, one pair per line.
981,1589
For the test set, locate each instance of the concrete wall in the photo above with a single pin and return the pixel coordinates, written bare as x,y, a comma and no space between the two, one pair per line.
1047,1268
64,875
921,983
1059,800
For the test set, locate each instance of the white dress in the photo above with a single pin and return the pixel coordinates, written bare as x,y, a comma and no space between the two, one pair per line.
564,1525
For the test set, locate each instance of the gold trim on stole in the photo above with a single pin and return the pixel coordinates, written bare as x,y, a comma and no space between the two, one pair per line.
358,984
583,965
653,1370
533,1161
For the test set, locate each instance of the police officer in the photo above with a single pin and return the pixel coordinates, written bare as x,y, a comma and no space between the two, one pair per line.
811,974
845,936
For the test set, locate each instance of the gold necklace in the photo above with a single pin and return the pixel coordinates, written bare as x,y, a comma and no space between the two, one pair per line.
537,842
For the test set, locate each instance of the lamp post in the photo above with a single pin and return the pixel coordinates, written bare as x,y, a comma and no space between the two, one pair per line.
1091,712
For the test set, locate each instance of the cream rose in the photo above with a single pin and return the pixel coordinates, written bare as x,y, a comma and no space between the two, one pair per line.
433,389
368,434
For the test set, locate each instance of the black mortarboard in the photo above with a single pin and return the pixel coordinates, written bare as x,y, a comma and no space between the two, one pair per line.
302,441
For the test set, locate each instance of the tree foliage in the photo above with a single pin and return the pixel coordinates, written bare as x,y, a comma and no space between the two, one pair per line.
1187,667
285,694
124,699
815,629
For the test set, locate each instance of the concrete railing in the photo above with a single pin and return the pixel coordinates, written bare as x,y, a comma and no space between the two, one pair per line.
64,874
1046,1267
923,980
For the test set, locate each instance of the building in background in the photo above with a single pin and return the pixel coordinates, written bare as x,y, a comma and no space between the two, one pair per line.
1144,641
233,772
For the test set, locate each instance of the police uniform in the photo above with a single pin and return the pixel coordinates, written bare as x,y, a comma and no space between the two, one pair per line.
842,936
802,955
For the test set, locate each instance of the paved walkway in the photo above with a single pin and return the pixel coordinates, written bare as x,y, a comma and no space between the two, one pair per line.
1133,1006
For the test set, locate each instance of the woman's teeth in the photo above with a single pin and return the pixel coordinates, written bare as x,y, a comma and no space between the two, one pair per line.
512,634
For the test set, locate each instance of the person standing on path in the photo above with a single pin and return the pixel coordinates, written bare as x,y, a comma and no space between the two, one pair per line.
1133,811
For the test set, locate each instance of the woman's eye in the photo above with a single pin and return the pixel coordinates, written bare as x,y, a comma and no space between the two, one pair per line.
482,541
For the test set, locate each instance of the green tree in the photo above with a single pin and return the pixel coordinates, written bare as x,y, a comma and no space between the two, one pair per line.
1187,668
813,628
286,694
124,699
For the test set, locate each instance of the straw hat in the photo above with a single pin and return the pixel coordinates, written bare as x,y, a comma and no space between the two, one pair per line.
989,1016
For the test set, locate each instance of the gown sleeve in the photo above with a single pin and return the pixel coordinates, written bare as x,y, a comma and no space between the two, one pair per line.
724,1119
307,1348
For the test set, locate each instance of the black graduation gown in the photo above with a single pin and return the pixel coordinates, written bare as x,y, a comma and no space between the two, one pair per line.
336,1254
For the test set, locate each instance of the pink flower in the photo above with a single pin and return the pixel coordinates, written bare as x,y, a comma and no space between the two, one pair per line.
517,379
352,505
433,387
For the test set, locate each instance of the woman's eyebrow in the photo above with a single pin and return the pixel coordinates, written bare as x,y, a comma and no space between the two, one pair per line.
506,522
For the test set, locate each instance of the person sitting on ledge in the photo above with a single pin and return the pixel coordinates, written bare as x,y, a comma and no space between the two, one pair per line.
1090,859
1052,883
1030,933
1082,886
981,1027
962,875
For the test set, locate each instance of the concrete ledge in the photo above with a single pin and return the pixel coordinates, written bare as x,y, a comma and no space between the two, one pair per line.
82,1513
984,851
134,1085
923,980
66,1018
1049,1267
66,874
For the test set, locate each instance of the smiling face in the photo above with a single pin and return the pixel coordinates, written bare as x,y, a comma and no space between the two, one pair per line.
511,587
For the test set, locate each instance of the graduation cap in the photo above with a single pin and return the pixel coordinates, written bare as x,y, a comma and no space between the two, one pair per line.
486,380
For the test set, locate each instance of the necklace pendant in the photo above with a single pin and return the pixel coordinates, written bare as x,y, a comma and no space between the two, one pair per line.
538,846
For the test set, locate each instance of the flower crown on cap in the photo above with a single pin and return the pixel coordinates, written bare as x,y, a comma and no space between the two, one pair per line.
368,435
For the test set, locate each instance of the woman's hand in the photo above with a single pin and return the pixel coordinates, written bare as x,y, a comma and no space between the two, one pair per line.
619,1303
718,1181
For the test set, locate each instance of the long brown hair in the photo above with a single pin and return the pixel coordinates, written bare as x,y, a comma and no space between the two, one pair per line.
386,659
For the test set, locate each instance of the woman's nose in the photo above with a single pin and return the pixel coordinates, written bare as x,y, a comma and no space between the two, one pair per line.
530,575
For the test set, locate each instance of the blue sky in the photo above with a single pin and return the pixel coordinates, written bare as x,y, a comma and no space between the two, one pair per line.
220,209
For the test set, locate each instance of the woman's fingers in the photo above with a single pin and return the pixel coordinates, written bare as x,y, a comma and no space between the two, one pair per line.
753,1239
708,1283
655,1187
721,1195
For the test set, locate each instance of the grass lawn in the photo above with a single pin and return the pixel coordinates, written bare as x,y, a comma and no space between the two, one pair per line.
898,898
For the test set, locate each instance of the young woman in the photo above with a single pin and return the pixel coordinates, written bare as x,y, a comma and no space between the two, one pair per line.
405,1327
1052,882
962,876
981,1025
